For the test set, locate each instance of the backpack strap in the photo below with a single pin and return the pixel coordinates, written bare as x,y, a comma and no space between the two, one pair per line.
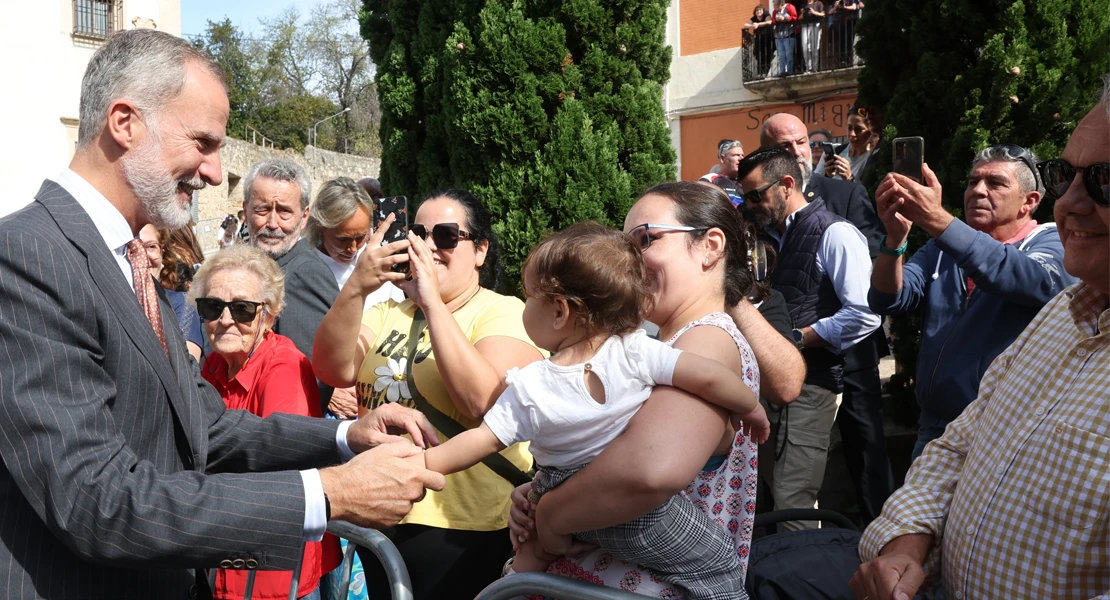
445,424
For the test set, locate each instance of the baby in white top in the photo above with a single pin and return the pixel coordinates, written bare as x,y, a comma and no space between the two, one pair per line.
586,296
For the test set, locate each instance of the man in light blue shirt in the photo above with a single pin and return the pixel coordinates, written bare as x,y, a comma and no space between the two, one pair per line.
823,271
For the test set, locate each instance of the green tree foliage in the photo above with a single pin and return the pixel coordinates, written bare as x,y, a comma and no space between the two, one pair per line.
299,71
550,111
965,74
225,43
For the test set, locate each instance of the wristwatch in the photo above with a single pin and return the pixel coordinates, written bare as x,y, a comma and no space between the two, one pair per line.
899,251
798,337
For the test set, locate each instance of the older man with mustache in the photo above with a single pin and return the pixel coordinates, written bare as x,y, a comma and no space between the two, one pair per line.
276,198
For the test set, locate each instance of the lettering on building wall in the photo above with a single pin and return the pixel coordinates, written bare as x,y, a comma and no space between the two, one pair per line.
816,115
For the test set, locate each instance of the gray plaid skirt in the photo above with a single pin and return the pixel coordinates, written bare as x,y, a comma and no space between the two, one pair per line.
677,541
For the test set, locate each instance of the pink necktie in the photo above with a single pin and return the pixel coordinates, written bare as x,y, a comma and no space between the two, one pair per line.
144,288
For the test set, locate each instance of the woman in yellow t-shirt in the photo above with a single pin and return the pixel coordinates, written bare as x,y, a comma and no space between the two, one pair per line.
455,541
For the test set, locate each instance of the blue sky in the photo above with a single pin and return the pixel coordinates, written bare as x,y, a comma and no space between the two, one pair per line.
243,13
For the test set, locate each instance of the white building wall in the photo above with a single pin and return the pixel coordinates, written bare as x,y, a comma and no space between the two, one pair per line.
41,73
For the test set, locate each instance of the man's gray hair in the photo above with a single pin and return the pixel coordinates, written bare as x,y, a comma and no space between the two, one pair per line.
336,202
1026,179
279,169
145,66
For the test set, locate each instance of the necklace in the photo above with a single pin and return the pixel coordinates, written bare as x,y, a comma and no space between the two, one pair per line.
468,300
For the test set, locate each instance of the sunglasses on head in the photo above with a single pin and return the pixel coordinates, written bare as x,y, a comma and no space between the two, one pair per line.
1015,152
242,311
1059,174
445,235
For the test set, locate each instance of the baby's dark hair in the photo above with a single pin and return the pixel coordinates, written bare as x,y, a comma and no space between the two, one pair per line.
599,271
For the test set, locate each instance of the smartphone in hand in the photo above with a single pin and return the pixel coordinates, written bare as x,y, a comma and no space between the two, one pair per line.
909,154
399,229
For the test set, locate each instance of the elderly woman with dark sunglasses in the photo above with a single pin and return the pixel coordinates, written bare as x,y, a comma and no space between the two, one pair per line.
455,541
239,293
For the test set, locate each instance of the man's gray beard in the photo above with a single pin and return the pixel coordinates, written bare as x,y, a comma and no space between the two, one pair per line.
155,186
807,173
288,241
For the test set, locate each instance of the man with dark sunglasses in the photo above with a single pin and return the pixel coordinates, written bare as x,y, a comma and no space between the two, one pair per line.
1011,502
822,271
860,418
978,282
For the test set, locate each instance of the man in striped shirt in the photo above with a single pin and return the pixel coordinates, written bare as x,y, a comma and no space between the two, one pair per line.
1013,501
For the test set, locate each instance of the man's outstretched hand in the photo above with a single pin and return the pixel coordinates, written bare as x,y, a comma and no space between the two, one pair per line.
378,487
386,424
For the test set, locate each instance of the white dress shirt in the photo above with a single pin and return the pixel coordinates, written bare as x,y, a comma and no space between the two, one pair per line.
113,227
844,257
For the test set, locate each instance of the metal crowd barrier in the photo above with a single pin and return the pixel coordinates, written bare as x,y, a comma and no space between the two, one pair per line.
553,586
399,583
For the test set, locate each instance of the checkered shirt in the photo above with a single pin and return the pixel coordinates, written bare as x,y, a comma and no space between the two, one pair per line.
1017,491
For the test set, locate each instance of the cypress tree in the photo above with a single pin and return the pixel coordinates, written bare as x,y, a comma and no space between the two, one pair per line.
965,74
550,111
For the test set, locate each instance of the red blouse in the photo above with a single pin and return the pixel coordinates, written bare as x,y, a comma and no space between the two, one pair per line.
277,378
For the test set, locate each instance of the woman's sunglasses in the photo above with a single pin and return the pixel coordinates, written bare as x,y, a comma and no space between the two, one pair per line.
242,311
1058,175
445,235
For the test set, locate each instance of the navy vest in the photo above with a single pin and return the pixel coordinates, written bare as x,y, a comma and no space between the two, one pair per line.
809,293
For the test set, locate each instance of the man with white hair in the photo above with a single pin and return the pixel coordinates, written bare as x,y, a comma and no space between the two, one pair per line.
978,283
729,154
1012,501
123,470
276,197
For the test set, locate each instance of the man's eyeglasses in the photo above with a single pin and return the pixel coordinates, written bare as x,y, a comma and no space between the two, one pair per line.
645,234
445,235
1058,176
1015,152
242,311
756,195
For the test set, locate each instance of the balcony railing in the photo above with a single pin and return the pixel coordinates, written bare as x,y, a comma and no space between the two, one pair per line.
800,47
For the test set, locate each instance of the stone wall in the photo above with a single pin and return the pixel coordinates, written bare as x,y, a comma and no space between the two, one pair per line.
237,157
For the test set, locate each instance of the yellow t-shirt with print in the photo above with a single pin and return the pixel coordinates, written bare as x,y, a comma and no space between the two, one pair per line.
476,499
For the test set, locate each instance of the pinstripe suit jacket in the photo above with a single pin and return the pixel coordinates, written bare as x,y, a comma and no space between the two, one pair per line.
106,442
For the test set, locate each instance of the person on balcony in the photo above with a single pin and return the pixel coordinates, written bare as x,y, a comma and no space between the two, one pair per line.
812,21
784,16
760,44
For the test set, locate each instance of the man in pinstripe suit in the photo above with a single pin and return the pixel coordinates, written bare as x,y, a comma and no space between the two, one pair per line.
122,470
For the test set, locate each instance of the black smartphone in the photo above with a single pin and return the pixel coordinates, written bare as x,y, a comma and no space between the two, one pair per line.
398,206
829,149
909,154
